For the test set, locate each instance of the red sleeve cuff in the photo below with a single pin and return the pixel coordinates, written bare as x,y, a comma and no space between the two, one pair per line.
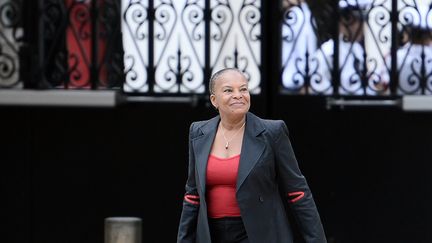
193,199
295,196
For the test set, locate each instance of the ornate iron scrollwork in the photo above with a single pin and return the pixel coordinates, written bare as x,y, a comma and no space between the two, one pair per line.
80,42
167,46
299,42
366,47
414,55
135,24
10,41
237,41
179,46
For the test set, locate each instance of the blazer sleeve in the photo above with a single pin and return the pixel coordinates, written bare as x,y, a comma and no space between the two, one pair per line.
189,215
296,189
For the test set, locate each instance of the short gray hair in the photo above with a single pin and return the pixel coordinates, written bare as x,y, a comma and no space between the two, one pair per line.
218,74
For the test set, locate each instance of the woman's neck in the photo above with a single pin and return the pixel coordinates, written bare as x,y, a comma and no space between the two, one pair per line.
232,123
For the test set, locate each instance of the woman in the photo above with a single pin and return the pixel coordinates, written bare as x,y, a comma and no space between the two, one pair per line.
242,171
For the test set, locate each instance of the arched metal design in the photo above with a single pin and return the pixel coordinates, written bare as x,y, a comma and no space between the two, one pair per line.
173,46
378,47
365,45
299,43
135,29
414,56
53,57
11,34
362,57
235,37
80,45
179,46
370,33
110,52
378,37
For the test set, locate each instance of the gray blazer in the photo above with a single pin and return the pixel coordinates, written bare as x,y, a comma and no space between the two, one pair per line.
268,177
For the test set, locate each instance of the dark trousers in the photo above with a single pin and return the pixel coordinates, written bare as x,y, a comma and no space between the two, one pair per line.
228,230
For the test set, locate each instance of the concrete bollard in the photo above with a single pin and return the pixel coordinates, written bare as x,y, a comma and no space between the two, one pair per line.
122,230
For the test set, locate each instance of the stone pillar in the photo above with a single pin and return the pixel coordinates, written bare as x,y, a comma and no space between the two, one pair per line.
122,230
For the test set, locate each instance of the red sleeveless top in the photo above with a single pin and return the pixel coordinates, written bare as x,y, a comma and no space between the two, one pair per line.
221,187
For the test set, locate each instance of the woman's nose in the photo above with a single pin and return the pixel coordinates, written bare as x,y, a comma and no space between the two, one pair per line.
237,94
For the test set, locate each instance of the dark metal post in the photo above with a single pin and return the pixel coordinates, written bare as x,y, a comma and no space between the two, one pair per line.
151,68
336,71
394,73
207,19
423,74
94,66
40,77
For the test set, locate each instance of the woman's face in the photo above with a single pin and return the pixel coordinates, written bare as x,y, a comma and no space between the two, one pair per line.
231,94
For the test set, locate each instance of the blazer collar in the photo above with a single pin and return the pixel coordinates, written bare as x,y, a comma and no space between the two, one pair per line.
202,146
252,148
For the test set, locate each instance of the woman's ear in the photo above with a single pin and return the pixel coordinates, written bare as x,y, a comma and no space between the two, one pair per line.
213,101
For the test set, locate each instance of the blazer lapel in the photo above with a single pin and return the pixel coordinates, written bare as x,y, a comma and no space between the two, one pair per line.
201,147
252,148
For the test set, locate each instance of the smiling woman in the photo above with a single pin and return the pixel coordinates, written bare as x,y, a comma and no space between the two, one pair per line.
230,96
239,166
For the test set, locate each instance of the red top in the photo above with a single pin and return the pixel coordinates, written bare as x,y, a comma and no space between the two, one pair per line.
221,187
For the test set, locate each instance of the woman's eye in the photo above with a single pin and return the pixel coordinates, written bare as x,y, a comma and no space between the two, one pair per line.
227,90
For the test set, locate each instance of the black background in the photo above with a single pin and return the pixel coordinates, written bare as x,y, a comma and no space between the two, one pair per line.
63,170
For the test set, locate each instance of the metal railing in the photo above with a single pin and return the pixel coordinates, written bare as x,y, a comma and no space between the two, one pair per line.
170,48
360,48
